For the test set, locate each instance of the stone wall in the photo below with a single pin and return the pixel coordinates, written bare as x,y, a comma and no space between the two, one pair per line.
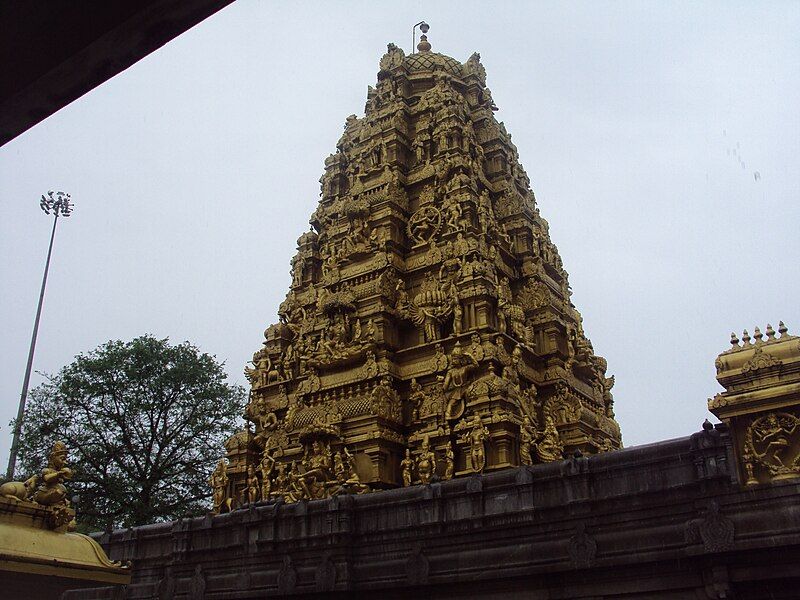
666,520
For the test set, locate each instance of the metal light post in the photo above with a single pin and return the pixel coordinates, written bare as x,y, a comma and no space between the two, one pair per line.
58,204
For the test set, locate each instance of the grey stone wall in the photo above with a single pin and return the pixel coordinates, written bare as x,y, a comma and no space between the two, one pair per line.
667,520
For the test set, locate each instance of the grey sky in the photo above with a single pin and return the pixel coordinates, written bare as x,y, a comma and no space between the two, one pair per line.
194,172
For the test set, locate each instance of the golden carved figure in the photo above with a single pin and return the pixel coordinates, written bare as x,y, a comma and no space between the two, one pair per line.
267,466
449,462
51,494
281,481
549,447
476,437
774,442
461,366
252,485
219,487
527,437
52,490
407,467
427,271
416,398
351,481
426,462
19,490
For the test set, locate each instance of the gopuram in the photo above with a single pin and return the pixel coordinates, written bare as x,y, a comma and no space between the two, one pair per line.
428,418
428,332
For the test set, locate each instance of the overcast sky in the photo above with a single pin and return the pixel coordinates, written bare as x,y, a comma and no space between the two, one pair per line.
662,142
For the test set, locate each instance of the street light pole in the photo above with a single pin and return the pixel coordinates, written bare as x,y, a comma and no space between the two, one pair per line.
60,204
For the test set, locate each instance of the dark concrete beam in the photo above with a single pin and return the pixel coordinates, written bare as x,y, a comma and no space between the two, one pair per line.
54,51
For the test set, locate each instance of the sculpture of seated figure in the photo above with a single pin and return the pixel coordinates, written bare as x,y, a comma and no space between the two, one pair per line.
52,490
318,470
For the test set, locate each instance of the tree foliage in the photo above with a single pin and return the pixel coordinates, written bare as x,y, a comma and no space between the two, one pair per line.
144,422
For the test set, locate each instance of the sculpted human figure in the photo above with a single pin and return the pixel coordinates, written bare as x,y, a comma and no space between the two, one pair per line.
407,466
266,419
476,348
339,469
318,469
426,462
418,148
416,398
776,439
460,247
52,490
461,365
369,331
477,437
353,480
511,372
454,214
288,361
449,462
384,398
298,266
440,358
252,485
219,485
424,223
527,435
549,447
458,315
267,465
295,488
281,480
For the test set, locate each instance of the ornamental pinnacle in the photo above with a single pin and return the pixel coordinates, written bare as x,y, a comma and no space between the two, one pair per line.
428,332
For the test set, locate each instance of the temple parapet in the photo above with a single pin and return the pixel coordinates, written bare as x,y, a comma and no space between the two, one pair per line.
761,403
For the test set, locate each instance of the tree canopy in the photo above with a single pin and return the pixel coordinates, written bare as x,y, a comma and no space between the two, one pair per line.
144,422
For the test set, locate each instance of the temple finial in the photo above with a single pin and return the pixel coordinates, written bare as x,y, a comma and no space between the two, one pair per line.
424,45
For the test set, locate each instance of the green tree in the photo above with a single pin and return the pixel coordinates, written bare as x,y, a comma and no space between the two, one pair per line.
144,422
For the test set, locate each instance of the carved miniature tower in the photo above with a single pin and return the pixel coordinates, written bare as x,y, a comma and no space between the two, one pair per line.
429,310
761,404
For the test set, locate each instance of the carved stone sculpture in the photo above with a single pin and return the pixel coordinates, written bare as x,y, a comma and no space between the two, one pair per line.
426,462
219,487
52,490
477,437
407,466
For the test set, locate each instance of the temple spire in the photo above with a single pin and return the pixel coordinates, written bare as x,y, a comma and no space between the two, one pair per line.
424,45
429,310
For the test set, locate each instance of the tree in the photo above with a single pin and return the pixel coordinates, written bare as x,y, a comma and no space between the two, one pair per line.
144,422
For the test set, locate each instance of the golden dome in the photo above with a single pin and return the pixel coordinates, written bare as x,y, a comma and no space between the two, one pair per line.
432,61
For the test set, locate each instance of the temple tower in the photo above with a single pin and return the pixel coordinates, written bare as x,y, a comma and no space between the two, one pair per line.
428,332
